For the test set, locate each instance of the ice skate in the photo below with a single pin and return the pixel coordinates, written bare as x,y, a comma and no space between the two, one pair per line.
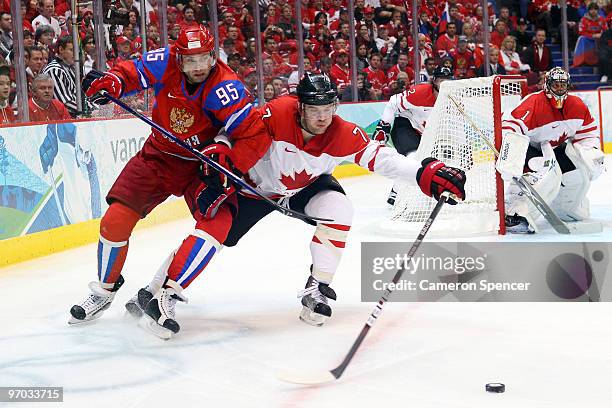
316,310
96,303
136,305
159,316
515,224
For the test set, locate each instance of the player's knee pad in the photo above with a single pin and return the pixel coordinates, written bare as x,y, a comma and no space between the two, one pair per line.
331,204
118,222
572,204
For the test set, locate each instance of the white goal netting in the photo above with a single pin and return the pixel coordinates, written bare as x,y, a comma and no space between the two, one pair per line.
451,138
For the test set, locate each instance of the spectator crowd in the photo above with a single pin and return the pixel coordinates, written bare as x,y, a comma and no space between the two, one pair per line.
449,33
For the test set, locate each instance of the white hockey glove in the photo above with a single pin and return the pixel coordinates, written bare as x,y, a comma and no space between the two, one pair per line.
593,159
511,160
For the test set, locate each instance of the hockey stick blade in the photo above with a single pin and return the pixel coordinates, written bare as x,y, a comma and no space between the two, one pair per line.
234,178
583,227
322,377
307,378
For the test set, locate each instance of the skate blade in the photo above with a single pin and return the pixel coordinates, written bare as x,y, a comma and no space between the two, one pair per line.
75,322
312,318
150,325
133,310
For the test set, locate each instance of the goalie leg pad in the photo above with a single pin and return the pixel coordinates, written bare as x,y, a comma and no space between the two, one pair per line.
329,239
572,203
546,180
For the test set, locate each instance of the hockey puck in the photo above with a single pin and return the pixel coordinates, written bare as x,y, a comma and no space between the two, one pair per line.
495,387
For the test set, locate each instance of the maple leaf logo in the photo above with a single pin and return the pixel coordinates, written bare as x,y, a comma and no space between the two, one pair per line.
298,180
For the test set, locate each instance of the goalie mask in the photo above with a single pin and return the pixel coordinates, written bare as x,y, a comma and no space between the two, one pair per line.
317,102
556,86
195,50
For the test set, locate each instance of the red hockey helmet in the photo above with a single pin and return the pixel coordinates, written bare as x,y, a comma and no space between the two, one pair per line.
195,40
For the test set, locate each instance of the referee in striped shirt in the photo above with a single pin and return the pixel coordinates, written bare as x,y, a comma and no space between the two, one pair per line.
61,69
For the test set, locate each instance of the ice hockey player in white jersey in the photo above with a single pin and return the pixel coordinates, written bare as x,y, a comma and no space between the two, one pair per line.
303,141
553,137
406,114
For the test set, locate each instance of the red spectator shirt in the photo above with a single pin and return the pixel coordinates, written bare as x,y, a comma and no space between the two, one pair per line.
464,64
55,111
588,27
7,115
376,77
445,45
393,72
497,39
341,76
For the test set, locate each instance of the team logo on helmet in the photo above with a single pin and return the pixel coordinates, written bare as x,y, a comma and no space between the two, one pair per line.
181,120
195,40
316,89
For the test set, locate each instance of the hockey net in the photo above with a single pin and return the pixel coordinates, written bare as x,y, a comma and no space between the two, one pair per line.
451,138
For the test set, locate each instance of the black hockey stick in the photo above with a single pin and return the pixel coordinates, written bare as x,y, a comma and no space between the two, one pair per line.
234,178
321,377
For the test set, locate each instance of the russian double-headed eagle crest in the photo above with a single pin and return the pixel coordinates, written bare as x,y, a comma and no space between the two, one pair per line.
180,120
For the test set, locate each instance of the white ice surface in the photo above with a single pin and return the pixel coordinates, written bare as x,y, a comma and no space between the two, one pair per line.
240,328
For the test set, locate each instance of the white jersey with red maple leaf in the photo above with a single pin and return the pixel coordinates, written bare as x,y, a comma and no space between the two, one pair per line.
414,104
537,118
289,164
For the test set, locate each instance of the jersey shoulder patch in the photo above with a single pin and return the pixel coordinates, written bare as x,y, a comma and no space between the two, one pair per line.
156,62
225,94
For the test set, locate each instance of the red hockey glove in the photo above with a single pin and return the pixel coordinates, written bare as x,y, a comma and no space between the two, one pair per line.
216,187
382,132
435,177
94,84
222,154
210,198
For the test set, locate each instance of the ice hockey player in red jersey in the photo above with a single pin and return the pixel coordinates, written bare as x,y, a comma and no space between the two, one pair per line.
305,141
195,96
559,146
407,112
